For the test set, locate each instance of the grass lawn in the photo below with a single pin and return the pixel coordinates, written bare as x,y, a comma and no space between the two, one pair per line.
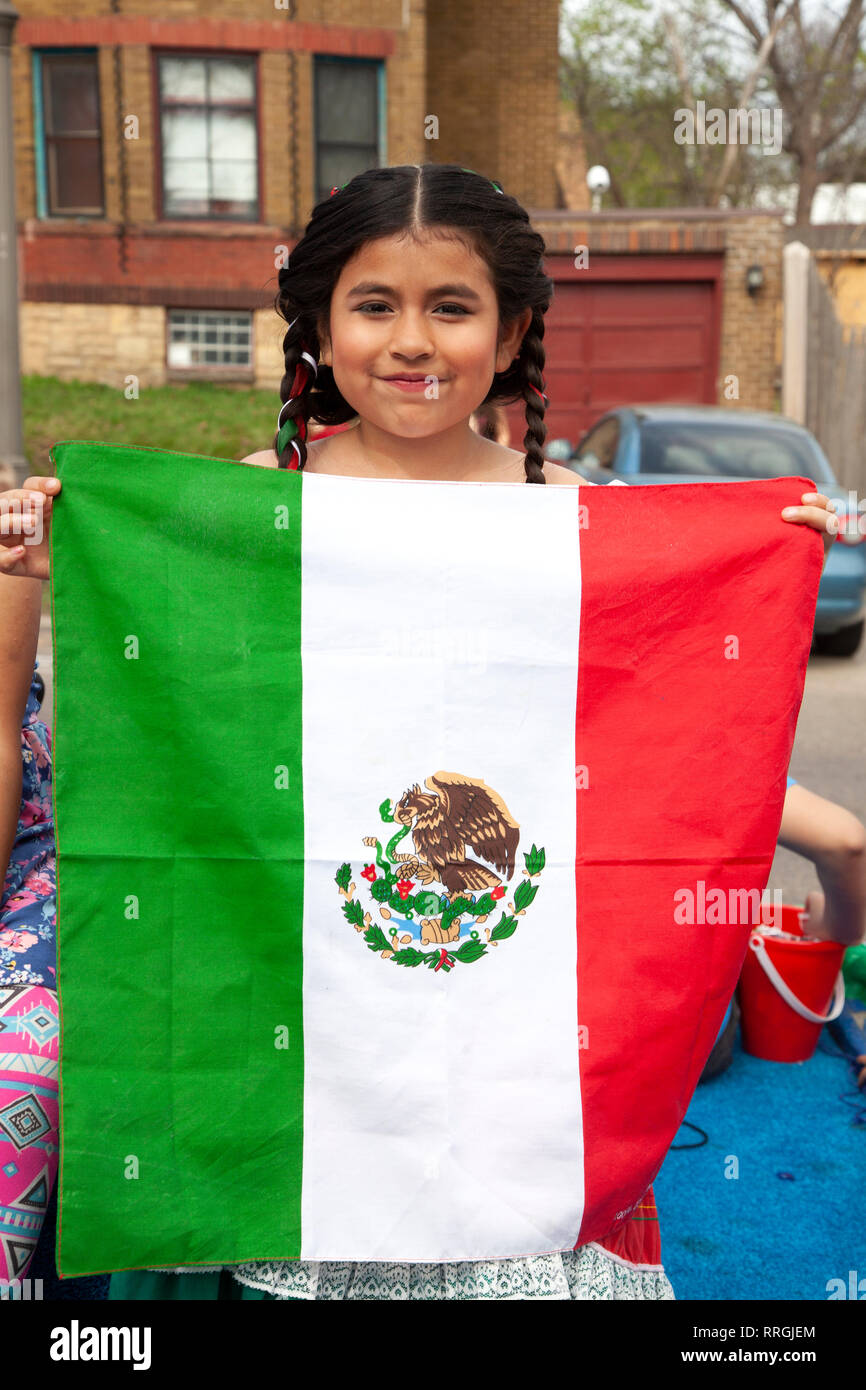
196,418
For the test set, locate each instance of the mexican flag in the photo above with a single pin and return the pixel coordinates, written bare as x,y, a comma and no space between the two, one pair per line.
409,837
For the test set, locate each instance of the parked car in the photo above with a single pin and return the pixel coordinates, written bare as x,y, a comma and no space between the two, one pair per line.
686,444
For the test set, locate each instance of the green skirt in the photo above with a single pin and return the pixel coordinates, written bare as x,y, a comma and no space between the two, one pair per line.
146,1283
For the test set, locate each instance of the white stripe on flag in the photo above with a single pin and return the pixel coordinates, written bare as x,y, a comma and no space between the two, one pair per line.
440,628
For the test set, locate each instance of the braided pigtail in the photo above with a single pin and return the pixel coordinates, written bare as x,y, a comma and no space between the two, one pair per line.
290,438
530,364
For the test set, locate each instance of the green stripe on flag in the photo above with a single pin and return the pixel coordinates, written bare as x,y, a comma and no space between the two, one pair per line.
178,802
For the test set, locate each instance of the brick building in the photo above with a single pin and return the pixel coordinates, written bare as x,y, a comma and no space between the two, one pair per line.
166,150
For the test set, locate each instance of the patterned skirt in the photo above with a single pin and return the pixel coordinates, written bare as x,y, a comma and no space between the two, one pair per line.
29,1037
624,1266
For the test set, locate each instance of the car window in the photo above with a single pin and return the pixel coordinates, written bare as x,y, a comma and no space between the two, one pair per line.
599,446
721,450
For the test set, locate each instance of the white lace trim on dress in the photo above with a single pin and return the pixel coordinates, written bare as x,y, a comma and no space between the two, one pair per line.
590,1272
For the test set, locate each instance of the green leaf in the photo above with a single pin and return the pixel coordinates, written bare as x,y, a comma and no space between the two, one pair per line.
471,950
343,876
354,913
484,906
526,891
506,927
534,861
376,939
410,956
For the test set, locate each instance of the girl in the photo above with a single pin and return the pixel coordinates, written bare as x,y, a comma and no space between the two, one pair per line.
835,840
416,297
28,995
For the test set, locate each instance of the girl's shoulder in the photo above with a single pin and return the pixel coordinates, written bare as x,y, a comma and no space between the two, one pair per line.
555,473
263,458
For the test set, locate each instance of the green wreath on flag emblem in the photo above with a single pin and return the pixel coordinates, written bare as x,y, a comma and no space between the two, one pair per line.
455,812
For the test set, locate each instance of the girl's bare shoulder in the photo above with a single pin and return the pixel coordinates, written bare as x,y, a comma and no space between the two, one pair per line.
554,473
263,458
559,476
266,458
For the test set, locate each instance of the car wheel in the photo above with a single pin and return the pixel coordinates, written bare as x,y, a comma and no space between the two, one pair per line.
842,643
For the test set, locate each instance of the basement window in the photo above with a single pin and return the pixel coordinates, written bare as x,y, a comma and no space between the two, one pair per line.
203,340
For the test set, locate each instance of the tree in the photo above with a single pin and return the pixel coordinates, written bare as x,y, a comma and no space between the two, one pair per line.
634,64
631,68
818,68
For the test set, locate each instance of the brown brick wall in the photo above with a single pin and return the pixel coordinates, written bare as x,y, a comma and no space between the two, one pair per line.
749,324
276,142
22,128
111,135
495,91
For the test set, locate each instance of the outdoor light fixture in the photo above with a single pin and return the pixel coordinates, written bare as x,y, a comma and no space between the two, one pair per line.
754,278
598,182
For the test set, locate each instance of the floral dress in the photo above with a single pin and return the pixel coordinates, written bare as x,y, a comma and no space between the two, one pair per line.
27,907
29,1023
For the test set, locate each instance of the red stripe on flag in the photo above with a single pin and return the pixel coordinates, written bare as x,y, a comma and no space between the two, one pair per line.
686,750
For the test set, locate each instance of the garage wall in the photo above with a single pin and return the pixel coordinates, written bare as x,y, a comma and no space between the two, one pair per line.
654,307
631,331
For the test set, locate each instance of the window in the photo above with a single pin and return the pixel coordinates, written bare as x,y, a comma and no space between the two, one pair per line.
68,136
348,120
716,449
209,338
207,111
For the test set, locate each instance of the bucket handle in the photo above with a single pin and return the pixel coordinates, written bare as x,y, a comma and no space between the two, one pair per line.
758,946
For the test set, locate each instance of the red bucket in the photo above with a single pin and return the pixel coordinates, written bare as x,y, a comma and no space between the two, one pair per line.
786,988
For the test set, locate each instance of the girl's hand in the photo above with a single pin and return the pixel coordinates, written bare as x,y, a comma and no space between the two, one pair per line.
815,921
25,525
819,513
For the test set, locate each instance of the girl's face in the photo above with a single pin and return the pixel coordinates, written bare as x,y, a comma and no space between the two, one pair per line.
429,311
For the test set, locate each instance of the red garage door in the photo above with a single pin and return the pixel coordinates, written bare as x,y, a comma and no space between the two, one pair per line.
630,330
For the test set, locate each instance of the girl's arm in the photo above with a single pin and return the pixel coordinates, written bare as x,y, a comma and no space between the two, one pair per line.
20,611
835,841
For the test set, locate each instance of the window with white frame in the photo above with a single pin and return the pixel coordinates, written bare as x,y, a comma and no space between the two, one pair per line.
209,144
209,338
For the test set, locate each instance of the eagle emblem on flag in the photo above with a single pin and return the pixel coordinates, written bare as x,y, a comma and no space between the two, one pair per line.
454,814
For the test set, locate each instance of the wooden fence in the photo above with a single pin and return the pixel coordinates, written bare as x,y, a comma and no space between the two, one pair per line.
836,386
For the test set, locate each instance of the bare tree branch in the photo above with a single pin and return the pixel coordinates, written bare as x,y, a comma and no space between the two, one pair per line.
815,73
732,148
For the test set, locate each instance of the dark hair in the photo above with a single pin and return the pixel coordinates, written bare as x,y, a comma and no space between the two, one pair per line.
411,198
